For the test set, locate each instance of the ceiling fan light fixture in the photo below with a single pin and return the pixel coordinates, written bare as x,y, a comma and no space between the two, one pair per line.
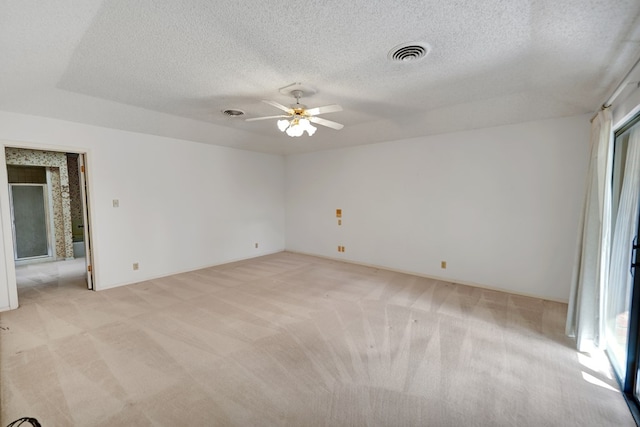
297,119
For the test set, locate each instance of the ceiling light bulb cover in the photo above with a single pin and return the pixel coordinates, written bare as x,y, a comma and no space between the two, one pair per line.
294,130
307,126
311,130
283,125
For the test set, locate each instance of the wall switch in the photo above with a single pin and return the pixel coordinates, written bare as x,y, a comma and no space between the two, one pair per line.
136,266
339,222
256,246
443,264
116,203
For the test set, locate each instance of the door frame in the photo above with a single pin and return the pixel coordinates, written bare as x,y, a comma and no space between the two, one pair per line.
84,194
7,252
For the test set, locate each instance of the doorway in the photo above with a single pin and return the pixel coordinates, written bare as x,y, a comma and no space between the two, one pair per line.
50,219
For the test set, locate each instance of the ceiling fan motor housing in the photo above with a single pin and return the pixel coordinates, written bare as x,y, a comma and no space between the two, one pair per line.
297,90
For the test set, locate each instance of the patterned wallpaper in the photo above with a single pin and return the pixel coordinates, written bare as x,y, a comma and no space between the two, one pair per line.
76,197
58,213
57,164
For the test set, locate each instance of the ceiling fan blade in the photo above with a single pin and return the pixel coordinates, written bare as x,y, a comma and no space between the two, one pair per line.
279,106
325,122
323,110
283,116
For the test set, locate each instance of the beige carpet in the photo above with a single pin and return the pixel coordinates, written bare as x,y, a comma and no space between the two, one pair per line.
294,340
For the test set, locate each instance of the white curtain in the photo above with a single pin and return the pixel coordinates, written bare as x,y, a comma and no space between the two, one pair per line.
590,271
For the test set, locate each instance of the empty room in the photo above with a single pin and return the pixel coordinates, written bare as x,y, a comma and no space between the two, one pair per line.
235,213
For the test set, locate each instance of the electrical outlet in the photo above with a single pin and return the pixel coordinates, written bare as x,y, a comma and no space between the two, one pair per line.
116,203
136,266
256,246
443,264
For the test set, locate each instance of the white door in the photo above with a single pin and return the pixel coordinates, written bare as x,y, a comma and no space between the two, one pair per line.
85,215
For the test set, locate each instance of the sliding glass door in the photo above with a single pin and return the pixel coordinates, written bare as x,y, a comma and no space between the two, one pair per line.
625,192
622,293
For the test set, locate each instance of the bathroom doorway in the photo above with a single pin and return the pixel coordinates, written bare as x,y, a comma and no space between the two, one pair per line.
49,215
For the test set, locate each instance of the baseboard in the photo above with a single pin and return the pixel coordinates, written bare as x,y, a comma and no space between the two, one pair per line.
188,270
426,276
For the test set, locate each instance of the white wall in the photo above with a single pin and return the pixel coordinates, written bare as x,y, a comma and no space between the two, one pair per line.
183,205
500,205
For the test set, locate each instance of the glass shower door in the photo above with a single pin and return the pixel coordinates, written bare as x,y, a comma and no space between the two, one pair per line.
29,215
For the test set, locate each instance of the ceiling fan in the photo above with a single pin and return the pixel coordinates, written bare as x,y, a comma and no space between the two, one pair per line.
298,117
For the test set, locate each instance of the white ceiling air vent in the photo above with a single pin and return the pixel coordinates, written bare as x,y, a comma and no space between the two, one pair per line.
231,112
408,52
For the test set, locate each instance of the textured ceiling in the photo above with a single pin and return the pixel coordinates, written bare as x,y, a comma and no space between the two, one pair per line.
169,67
